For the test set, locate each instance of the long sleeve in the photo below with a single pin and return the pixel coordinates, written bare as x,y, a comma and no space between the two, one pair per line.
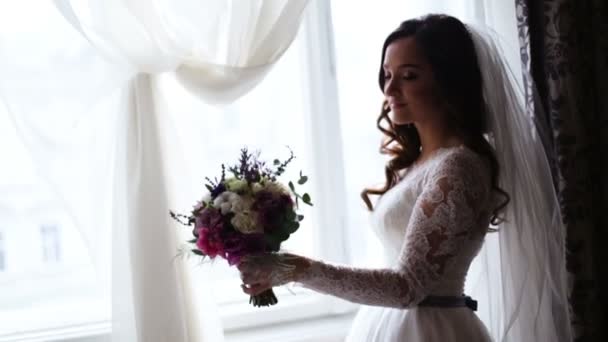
445,214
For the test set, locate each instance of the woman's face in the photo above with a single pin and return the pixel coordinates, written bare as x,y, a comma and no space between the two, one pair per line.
409,86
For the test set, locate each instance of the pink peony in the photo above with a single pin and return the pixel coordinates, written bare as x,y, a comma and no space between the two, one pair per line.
208,226
210,243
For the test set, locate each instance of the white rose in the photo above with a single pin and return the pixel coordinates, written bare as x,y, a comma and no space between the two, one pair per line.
241,204
224,201
237,205
246,223
225,208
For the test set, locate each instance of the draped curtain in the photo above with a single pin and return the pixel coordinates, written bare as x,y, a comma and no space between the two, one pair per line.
564,46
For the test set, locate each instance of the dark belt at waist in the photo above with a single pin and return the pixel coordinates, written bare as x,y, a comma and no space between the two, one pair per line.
449,302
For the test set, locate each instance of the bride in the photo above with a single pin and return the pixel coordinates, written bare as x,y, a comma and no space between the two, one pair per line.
454,131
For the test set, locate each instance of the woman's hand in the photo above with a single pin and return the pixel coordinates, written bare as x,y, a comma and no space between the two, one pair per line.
262,272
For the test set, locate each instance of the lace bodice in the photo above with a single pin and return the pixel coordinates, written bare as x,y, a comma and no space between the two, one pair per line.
432,224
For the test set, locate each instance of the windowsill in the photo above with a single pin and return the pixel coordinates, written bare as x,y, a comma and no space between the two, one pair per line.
90,332
304,317
302,306
329,328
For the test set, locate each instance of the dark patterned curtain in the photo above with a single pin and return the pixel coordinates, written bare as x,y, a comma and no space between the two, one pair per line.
564,46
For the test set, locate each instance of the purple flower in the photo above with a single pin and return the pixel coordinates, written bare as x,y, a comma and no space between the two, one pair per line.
238,245
218,190
271,208
209,218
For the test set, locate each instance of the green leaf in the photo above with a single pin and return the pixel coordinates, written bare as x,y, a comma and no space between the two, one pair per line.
283,235
300,217
276,162
280,233
302,180
209,187
197,252
306,199
291,215
192,241
291,186
293,227
271,241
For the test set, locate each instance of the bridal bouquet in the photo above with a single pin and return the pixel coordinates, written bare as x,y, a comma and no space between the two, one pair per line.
246,213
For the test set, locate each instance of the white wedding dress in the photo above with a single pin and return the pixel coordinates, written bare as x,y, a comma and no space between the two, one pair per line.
431,224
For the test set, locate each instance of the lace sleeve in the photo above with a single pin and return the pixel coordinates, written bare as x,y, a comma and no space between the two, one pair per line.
444,216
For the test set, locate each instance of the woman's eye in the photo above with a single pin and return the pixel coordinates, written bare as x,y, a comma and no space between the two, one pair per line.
409,76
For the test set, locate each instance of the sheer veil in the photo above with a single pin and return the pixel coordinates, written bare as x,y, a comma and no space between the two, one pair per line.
529,295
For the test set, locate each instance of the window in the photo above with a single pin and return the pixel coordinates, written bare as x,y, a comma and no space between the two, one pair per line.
51,243
293,106
260,121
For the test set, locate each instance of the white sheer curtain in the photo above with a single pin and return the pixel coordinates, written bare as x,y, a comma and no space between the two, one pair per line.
86,112
218,49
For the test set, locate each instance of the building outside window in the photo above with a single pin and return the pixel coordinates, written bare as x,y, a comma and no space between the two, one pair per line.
51,243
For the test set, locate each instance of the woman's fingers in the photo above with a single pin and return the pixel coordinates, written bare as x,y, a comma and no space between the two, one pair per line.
255,289
253,274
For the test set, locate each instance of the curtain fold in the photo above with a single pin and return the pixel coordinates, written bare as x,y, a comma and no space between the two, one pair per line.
143,244
219,49
152,300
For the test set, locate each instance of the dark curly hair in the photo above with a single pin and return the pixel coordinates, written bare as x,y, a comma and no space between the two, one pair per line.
448,46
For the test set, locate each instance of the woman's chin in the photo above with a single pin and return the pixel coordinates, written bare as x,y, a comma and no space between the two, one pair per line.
399,119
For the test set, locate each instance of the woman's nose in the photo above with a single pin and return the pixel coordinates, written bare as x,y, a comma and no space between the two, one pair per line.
389,87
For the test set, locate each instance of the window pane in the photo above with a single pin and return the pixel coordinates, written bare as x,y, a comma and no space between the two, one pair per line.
51,244
269,118
358,52
358,49
47,280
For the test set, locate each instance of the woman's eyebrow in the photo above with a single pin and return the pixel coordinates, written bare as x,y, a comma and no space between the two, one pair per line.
404,65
